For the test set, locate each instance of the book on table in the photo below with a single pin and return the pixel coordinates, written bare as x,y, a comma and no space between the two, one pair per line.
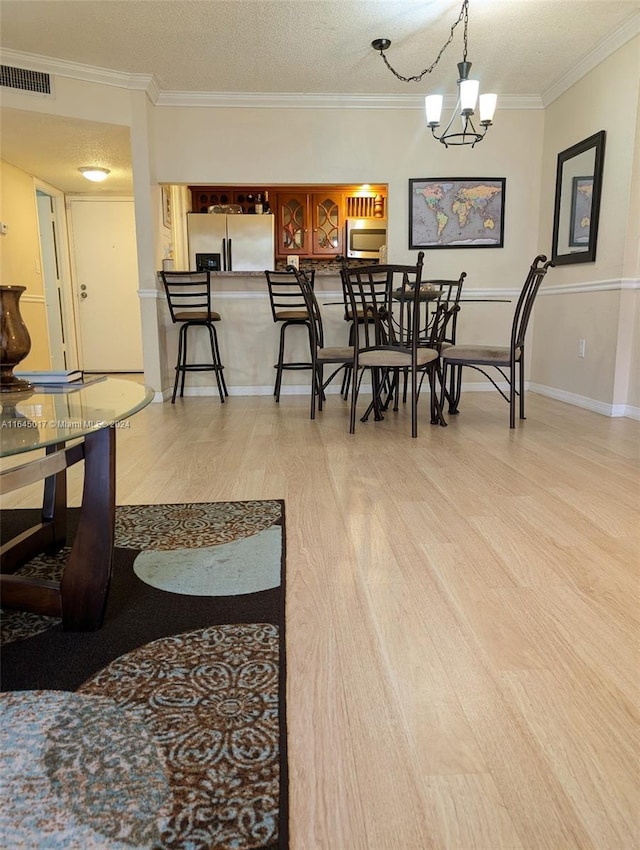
52,376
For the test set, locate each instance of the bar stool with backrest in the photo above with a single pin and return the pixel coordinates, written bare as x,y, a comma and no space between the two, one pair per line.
189,298
289,309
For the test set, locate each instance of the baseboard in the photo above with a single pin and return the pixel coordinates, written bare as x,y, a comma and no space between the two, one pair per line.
612,410
292,389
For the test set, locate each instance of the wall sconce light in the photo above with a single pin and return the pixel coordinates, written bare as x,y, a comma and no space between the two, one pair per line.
95,174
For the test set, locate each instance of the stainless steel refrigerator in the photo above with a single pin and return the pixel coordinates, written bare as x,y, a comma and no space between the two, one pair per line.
239,243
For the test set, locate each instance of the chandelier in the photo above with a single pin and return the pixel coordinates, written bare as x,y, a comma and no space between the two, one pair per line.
467,93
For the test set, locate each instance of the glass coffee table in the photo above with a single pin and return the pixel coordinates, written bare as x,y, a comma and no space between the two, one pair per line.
70,423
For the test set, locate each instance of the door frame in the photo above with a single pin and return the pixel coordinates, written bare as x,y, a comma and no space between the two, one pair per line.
67,312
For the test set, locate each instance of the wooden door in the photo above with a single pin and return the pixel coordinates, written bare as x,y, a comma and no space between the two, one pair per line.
105,265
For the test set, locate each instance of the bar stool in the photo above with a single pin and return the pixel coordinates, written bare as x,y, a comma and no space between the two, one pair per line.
189,298
288,307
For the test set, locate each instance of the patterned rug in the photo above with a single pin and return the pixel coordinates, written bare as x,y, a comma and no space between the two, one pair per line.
166,728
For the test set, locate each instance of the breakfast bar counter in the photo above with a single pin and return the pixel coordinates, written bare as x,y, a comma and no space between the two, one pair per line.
248,337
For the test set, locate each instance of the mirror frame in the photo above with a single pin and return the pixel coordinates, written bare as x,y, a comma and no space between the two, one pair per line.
595,142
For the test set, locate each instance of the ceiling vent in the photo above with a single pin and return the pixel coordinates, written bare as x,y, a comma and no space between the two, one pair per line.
21,78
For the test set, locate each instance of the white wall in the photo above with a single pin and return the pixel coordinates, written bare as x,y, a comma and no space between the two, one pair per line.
597,302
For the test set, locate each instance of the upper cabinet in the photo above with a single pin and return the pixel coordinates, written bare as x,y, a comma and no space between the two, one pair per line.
293,224
327,221
203,197
309,224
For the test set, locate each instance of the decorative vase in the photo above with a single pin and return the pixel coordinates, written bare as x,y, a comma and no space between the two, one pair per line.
15,342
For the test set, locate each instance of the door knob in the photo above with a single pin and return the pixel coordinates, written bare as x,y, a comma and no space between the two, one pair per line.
82,287
83,295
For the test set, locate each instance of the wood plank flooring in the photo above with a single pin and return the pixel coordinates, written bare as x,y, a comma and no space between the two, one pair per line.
462,612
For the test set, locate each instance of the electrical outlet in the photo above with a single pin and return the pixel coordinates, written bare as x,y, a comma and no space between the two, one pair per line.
582,346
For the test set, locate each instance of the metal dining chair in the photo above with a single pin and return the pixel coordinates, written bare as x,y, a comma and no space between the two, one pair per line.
388,339
507,360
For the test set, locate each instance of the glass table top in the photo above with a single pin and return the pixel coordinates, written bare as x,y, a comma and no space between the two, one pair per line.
48,415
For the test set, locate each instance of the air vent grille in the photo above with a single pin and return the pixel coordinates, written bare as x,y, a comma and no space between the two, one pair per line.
21,78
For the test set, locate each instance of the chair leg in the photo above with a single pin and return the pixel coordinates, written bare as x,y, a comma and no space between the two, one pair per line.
278,384
348,370
357,380
180,363
521,386
414,402
319,376
512,396
455,387
437,399
215,354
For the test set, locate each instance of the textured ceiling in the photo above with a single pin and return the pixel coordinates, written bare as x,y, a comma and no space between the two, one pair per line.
518,47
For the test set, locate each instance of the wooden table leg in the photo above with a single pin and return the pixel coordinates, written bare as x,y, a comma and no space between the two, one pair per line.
54,505
85,582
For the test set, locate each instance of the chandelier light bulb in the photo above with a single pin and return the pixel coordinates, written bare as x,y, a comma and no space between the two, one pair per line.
468,96
433,109
487,107
95,174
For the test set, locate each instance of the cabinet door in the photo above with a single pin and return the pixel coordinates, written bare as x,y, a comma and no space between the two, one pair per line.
328,222
292,228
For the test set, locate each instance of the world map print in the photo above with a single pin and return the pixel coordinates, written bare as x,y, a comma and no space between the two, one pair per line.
452,213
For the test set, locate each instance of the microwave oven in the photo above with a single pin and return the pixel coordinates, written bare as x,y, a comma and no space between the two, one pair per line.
365,236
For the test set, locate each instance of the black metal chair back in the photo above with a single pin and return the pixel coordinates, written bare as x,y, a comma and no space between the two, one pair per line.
285,295
188,293
450,292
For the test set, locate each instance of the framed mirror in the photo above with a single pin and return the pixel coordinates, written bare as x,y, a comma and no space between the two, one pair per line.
577,202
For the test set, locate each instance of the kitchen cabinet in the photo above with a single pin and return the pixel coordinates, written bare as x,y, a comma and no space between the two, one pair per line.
309,219
309,224
203,197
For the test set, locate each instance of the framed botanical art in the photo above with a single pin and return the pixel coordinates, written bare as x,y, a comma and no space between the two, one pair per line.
166,206
456,212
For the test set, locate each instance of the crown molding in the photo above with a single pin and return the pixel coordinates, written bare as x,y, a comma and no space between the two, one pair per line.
619,37
78,71
293,100
247,100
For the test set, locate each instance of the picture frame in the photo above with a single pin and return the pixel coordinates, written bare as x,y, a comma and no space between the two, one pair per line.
575,215
581,196
456,212
166,206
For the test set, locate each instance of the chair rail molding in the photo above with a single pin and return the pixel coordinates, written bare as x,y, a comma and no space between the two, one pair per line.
591,286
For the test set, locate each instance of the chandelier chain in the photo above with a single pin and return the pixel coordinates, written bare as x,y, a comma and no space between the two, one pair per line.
463,16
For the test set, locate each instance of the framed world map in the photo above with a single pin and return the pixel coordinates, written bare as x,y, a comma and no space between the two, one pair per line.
456,212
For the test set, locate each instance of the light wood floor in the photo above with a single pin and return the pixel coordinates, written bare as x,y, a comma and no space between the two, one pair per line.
462,612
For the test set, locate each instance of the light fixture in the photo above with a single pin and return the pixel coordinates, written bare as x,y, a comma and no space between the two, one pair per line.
467,93
95,174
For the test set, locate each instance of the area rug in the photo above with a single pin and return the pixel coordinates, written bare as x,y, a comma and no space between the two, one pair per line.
165,729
